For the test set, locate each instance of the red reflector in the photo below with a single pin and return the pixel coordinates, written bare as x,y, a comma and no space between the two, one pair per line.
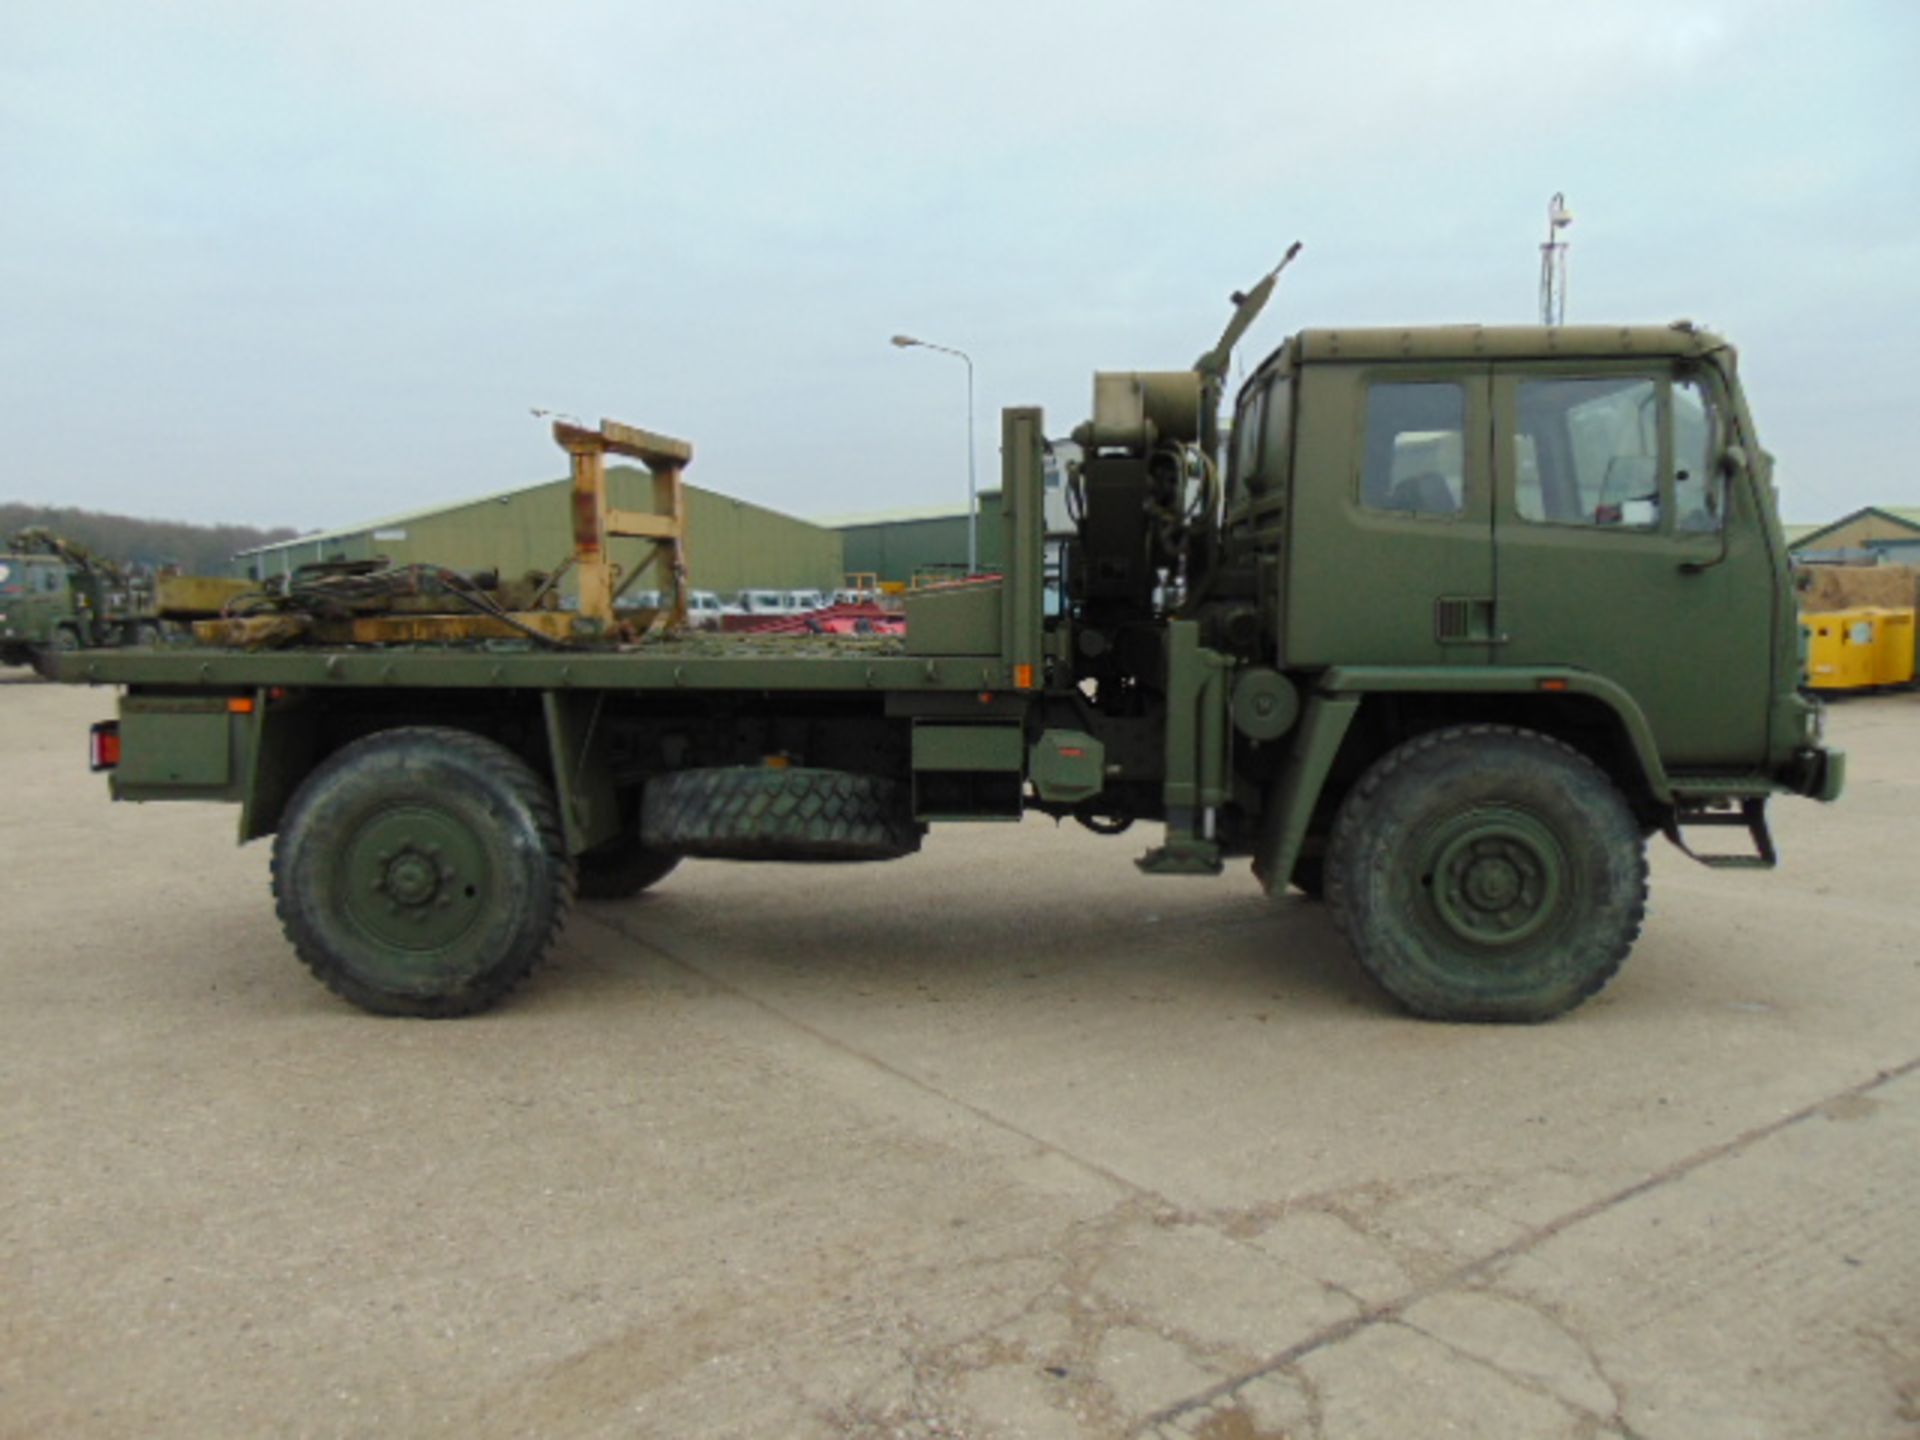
105,746
1071,752
1553,684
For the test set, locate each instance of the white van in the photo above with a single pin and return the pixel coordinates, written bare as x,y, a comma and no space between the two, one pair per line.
760,602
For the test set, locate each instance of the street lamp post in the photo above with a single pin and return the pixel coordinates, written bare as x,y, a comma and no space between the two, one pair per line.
906,342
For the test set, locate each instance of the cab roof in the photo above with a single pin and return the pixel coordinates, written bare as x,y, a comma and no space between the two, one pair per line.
1496,342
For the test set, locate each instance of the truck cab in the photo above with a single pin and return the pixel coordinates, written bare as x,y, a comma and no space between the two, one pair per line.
1585,499
38,609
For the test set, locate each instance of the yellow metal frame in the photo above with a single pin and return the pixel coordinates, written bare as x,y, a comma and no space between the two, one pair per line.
595,522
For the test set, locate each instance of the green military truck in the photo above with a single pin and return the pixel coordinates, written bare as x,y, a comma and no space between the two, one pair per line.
55,596
1445,627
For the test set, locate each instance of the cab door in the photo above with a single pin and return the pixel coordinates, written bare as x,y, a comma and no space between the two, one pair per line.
1621,549
1391,553
41,602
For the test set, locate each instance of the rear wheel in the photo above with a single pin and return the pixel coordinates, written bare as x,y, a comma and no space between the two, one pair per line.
422,872
622,868
1310,876
1487,873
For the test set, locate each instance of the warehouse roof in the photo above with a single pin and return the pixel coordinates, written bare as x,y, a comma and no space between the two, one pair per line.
389,522
898,516
1904,515
426,512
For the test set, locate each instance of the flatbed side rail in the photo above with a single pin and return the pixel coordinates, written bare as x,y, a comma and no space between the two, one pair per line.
848,666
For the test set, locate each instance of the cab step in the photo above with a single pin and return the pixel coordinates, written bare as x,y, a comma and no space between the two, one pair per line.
1706,808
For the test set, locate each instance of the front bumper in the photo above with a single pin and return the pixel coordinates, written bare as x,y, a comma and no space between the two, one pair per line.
1819,773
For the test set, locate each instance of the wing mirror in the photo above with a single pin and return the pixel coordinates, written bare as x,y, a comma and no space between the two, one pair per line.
1733,464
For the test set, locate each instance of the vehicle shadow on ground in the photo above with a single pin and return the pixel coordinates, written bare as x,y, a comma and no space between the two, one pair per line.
963,947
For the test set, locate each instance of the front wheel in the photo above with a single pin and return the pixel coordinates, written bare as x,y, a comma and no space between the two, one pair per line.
422,871
1483,872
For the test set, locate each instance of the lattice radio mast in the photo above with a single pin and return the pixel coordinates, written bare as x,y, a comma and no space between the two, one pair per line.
1553,263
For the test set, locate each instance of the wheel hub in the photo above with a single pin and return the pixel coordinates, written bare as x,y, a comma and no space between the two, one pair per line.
415,877
1495,878
411,878
1493,882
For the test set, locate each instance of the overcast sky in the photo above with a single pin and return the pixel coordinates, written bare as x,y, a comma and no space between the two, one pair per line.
310,264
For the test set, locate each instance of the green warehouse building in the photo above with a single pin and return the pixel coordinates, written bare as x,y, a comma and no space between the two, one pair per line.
926,542
731,545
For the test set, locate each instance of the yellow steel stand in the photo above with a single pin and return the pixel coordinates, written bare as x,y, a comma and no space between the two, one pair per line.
595,522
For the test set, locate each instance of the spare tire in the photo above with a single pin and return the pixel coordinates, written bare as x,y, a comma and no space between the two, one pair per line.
752,812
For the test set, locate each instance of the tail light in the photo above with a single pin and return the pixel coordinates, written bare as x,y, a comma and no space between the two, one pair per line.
103,746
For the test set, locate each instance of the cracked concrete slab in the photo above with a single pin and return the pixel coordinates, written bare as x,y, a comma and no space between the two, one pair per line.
1389,1382
1002,1140
1527,1342
1820,1334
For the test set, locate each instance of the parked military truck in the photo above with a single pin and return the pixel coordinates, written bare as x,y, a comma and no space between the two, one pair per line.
1445,627
56,595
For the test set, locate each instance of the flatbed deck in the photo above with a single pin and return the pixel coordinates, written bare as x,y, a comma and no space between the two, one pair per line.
689,662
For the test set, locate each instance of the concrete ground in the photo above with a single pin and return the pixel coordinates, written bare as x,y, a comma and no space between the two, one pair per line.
1002,1140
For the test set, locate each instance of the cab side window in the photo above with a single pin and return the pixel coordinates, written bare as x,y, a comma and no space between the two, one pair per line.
1261,437
1246,441
1414,461
1587,452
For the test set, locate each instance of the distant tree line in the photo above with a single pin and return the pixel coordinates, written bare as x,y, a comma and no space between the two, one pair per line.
149,544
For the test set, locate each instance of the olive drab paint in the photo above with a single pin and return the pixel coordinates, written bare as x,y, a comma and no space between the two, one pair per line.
1367,623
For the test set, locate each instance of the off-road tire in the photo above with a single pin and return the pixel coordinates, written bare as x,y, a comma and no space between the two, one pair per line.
769,813
1484,872
146,633
422,872
622,868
